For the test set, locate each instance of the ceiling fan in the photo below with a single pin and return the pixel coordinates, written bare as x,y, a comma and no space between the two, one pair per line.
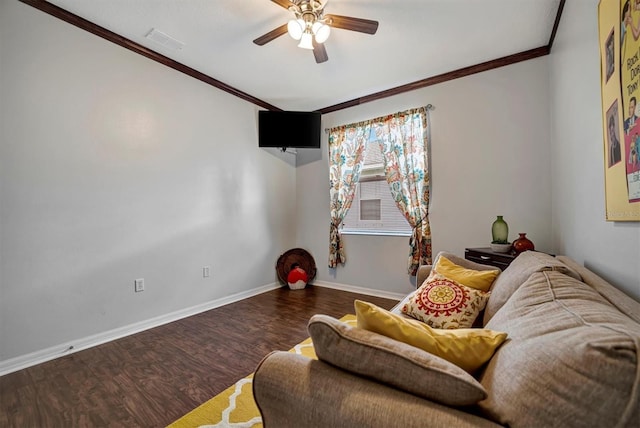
312,27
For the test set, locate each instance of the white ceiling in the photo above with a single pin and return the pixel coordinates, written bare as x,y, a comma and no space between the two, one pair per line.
416,39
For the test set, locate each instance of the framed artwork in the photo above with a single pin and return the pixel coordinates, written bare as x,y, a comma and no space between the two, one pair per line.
619,35
613,136
609,55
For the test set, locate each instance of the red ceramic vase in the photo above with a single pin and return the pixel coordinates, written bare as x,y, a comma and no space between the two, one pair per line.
523,244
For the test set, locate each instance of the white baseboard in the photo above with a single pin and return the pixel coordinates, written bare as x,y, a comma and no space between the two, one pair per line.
44,355
361,290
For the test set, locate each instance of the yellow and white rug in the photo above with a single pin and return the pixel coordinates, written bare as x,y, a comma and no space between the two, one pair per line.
235,407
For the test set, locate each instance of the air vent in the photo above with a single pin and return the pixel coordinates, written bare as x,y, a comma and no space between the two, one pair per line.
164,39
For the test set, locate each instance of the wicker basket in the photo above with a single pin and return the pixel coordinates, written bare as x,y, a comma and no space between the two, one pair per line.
299,256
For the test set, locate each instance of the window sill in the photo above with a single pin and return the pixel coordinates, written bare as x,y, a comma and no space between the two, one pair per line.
375,233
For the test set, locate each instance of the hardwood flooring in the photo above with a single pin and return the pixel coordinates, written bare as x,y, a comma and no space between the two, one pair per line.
152,378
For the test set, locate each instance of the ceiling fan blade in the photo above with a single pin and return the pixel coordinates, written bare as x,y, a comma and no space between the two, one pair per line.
319,52
354,24
273,34
284,3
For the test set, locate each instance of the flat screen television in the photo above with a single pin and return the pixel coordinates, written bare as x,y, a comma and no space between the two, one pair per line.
284,129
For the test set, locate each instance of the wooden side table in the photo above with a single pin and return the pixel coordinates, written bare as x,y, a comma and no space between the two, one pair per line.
487,257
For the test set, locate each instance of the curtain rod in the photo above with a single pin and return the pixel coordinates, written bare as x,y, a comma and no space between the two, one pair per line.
428,107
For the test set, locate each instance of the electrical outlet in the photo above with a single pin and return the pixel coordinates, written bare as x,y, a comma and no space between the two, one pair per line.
139,285
206,272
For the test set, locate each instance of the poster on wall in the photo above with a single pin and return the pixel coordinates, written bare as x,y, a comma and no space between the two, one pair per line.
619,33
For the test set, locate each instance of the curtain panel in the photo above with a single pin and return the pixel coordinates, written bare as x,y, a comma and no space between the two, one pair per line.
403,137
346,157
404,142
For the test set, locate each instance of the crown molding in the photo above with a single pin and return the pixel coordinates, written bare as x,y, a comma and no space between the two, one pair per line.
89,26
99,31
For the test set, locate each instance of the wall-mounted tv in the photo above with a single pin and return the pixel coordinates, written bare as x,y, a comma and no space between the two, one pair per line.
284,129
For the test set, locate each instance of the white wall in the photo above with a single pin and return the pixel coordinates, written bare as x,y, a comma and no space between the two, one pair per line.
114,167
490,156
611,249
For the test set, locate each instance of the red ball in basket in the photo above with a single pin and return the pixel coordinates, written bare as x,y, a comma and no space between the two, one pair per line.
297,278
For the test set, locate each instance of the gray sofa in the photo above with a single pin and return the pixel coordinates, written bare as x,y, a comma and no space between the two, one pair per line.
571,358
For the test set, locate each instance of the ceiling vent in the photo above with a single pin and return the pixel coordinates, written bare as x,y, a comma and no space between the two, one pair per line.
164,39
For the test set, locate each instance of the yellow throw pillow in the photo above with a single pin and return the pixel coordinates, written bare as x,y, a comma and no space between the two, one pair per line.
479,279
444,303
468,348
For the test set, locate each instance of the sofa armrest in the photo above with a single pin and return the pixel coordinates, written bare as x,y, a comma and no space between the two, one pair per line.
423,273
421,276
295,391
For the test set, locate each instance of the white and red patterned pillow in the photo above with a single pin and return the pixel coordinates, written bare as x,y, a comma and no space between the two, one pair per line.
444,303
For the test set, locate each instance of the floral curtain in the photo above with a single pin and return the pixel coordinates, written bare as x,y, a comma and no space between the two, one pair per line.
346,157
403,137
404,141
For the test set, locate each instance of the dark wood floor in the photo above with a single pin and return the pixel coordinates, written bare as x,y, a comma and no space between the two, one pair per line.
152,378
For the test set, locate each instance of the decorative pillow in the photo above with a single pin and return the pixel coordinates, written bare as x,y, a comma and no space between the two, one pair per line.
444,303
479,279
467,348
394,363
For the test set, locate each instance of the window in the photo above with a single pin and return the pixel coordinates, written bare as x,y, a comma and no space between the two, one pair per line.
404,135
373,210
370,209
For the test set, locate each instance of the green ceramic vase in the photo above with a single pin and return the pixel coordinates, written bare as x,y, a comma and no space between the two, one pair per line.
500,231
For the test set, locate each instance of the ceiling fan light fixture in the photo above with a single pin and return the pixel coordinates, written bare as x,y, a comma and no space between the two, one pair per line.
321,31
311,27
296,27
306,41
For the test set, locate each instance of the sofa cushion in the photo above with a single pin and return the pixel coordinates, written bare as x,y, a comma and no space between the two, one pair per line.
571,358
478,279
517,273
394,363
444,303
293,391
616,297
468,348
